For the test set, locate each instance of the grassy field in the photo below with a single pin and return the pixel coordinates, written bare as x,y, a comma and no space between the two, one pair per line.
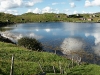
28,62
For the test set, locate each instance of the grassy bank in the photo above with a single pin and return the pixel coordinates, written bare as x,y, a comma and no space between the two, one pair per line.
30,63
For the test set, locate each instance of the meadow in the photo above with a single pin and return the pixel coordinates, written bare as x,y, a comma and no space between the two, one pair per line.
27,62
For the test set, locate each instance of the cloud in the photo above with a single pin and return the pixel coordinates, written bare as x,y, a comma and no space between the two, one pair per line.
72,4
89,3
75,12
32,2
8,4
47,10
44,10
58,3
15,12
55,3
36,10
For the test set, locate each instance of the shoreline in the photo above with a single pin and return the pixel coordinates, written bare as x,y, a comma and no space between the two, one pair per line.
3,24
6,40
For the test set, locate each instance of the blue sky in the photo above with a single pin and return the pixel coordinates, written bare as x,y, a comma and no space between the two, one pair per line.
49,6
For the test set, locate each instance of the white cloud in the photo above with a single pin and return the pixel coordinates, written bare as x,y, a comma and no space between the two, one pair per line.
84,12
49,10
36,10
87,3
75,12
72,4
92,3
44,10
8,4
15,12
30,10
32,2
55,3
58,3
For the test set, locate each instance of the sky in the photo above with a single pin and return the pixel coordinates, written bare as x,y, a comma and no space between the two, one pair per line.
18,7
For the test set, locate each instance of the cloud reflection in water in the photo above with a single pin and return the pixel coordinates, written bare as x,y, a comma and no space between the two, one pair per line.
15,36
73,45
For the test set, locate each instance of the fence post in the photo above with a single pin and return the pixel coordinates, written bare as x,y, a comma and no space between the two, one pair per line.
12,66
72,61
54,69
40,67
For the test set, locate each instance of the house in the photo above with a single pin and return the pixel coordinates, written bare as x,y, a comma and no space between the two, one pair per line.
82,19
98,20
90,19
93,15
7,20
77,15
58,16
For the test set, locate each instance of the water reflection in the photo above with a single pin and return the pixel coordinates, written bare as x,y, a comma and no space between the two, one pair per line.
96,49
47,30
15,36
66,37
70,45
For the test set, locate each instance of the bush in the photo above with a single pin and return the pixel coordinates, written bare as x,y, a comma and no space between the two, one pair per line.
30,43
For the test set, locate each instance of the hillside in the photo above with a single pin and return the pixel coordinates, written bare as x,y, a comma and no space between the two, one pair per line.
47,17
28,62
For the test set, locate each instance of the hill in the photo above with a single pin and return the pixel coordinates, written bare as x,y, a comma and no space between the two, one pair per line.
28,62
47,17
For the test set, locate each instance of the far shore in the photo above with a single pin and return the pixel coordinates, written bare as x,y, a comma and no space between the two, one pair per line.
3,24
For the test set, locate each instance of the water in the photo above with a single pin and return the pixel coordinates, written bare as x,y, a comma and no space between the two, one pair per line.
68,38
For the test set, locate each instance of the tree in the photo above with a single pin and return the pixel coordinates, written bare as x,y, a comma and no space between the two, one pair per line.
30,43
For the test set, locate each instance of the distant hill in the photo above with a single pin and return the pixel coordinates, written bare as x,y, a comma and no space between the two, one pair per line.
49,17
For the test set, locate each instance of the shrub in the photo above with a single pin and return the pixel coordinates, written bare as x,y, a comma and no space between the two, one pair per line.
30,43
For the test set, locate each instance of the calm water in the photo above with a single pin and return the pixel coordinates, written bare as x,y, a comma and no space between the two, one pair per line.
68,37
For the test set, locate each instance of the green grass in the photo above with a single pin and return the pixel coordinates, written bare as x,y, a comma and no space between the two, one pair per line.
26,62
